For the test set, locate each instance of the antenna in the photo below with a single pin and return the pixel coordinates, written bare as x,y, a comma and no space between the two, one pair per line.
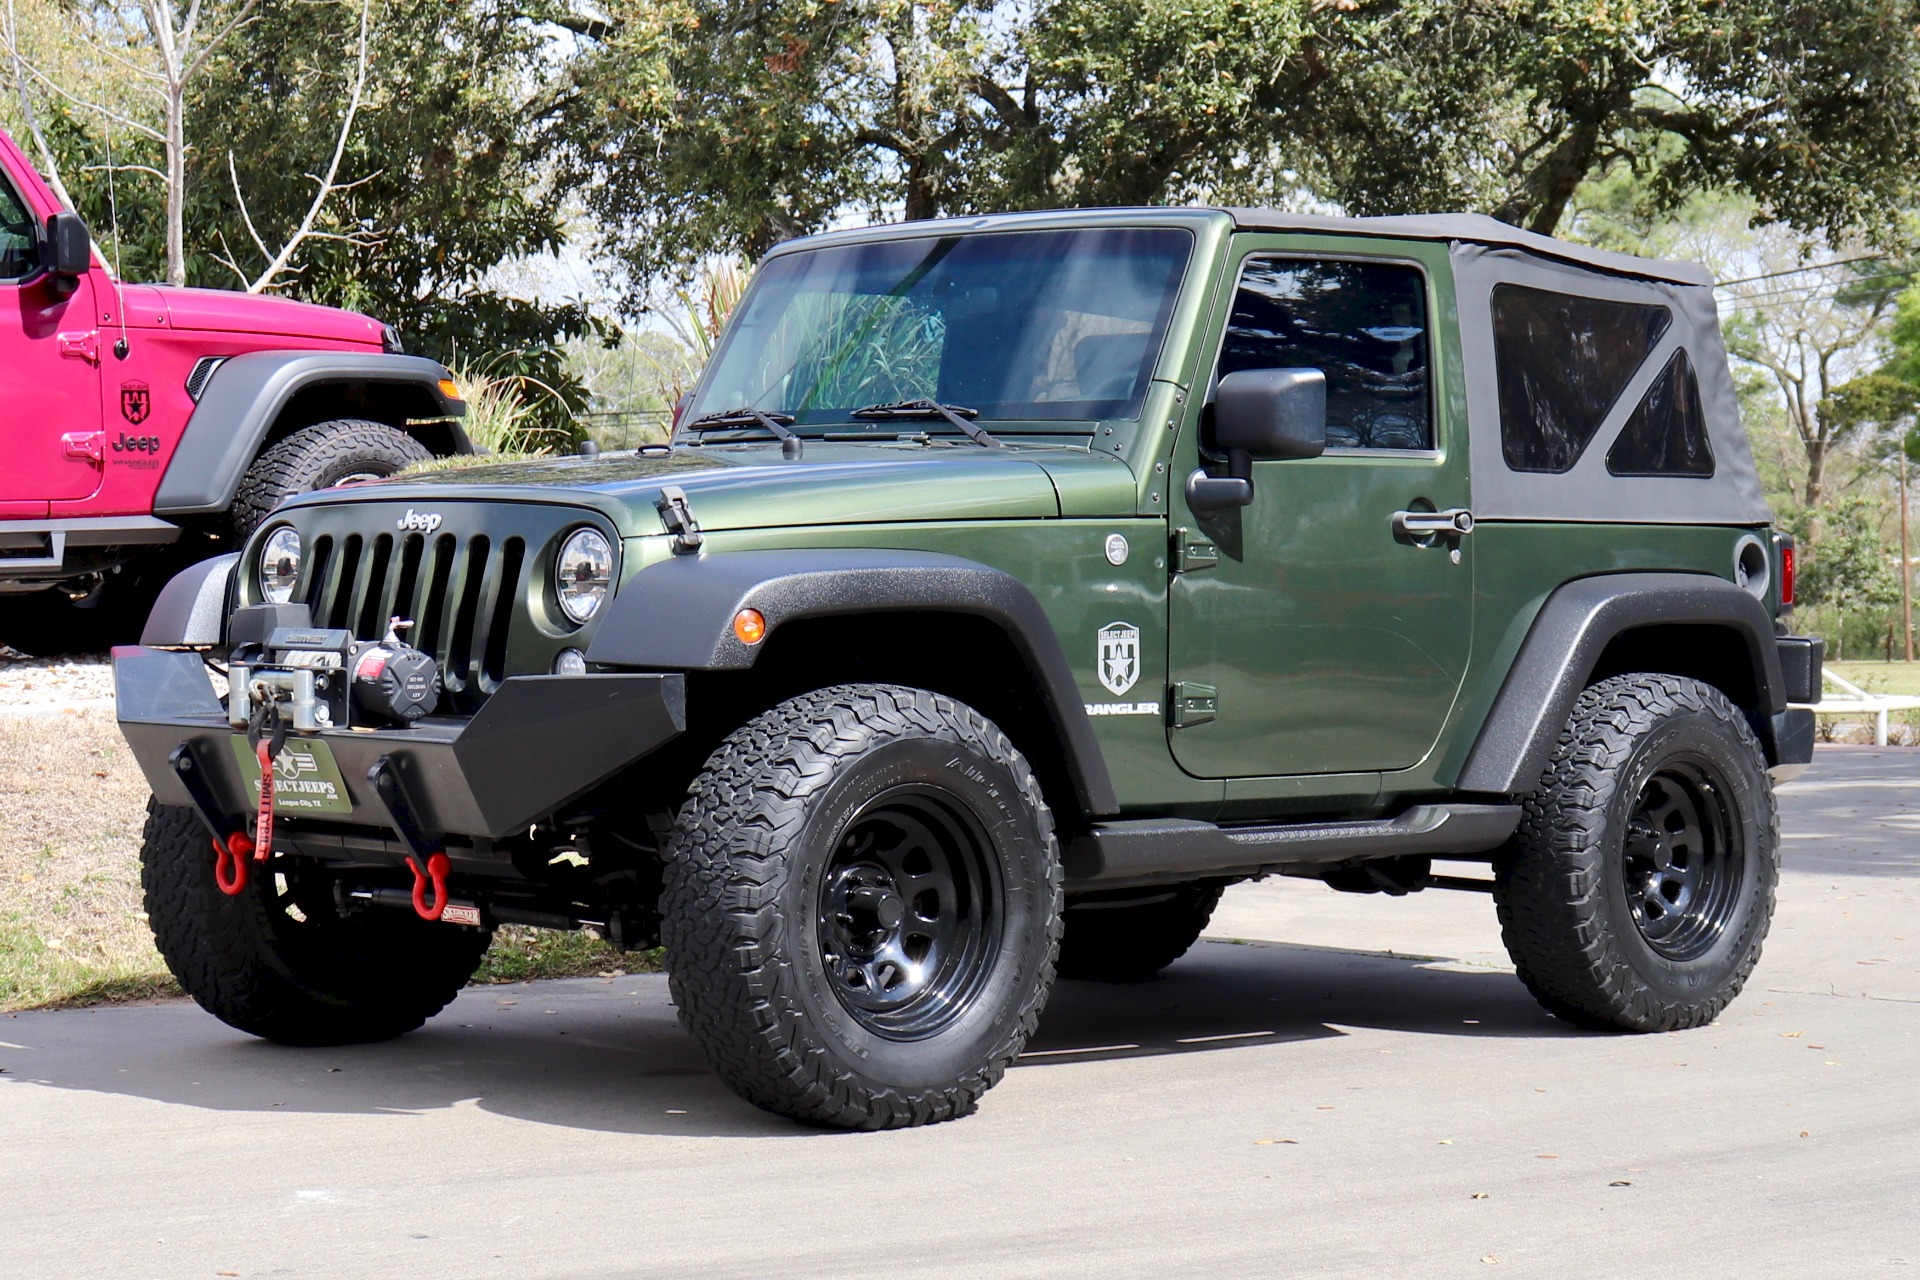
120,348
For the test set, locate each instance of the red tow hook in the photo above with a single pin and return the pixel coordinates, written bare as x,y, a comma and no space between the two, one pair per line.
230,863
436,870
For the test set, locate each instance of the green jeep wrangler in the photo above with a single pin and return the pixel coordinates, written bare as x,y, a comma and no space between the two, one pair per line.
1011,586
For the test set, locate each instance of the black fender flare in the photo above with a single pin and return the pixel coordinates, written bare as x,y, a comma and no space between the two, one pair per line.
1564,645
245,396
677,615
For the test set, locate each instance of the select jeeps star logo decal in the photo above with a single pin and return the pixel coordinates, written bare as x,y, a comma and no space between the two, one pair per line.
1119,656
136,402
420,521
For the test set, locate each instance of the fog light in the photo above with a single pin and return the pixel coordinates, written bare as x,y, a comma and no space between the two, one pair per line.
570,662
749,627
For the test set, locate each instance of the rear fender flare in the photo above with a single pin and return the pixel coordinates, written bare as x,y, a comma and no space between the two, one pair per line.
677,615
1559,655
247,394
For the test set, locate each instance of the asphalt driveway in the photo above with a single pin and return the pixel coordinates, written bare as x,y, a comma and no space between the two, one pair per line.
1333,1085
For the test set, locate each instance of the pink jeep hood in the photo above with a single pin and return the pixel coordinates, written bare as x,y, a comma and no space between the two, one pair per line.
227,311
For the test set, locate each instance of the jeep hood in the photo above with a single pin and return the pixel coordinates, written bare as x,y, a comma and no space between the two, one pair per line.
732,487
151,306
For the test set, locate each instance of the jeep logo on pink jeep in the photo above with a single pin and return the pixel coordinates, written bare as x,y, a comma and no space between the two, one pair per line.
419,521
136,402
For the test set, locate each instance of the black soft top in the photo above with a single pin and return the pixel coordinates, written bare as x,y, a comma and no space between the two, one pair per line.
1473,228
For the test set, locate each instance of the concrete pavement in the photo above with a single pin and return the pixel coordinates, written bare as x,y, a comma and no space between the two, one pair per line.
1356,1086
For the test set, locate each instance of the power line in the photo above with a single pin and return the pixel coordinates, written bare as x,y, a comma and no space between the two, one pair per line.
1807,293
1795,271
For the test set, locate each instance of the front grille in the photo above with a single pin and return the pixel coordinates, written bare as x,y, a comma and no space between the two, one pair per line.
460,593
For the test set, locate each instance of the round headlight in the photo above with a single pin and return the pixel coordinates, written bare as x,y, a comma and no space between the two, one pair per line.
280,563
584,573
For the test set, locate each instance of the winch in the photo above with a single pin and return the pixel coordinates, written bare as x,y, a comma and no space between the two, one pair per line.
323,678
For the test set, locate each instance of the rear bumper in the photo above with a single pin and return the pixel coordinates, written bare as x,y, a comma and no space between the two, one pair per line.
538,743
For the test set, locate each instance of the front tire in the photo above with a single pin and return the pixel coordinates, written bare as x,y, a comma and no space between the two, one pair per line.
277,962
317,457
862,907
1638,889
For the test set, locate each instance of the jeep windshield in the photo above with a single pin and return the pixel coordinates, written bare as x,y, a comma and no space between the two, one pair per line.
1040,327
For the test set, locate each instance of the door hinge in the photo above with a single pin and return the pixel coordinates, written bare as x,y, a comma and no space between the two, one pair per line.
90,445
1193,703
1192,552
82,346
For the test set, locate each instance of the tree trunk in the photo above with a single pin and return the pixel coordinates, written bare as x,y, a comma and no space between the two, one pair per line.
1816,473
176,184
1906,564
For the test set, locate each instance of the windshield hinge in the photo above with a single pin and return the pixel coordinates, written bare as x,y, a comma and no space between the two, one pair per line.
1194,703
677,516
1192,552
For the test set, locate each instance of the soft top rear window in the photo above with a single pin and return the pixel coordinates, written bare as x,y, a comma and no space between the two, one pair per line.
1561,361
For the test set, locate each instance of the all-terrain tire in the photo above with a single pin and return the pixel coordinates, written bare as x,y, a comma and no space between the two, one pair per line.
770,954
324,980
1130,940
1638,889
316,457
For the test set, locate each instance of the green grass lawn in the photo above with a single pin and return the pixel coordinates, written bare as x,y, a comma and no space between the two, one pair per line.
1881,677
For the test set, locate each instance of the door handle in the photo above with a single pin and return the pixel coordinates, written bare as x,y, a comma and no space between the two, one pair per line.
1424,528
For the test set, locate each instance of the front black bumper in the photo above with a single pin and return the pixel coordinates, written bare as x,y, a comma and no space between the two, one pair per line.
538,743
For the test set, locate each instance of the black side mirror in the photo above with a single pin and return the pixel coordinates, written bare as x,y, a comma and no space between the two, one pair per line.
69,246
1264,415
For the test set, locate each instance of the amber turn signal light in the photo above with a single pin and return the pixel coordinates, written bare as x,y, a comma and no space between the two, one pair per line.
451,390
749,626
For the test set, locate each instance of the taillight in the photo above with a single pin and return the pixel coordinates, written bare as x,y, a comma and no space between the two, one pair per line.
1786,573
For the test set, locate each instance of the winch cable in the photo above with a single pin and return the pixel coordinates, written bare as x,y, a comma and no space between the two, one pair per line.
266,734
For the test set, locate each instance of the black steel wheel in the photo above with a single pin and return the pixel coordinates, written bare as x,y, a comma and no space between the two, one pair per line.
908,907
862,907
1638,890
1683,859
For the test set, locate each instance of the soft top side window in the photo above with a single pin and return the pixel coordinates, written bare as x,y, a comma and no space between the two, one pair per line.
19,245
1666,434
1560,362
1364,324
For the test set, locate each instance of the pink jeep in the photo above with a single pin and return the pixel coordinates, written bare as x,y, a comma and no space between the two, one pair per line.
142,427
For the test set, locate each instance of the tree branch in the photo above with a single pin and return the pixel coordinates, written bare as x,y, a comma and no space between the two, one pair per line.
305,230
27,113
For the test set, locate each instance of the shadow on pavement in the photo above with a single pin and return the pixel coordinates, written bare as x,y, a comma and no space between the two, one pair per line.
608,1055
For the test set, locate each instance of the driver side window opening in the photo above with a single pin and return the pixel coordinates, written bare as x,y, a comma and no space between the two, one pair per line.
1364,324
19,241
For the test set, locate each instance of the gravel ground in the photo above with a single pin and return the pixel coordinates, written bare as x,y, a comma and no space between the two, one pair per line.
39,685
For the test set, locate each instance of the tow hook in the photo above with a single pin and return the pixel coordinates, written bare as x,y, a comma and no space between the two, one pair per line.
429,865
232,847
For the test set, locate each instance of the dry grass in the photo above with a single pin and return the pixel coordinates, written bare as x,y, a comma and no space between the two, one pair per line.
72,801
72,931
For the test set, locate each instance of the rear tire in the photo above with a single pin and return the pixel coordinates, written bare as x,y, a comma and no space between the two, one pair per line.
1638,889
316,457
1133,939
862,907
250,962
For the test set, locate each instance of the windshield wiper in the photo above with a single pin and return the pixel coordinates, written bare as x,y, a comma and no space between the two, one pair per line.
778,423
958,415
